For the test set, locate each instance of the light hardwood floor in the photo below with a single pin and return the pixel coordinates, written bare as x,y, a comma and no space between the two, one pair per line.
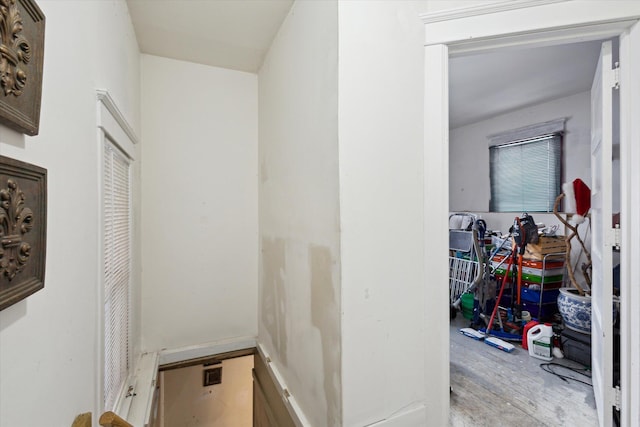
493,388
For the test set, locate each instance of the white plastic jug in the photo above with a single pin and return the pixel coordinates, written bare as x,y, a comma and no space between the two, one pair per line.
539,341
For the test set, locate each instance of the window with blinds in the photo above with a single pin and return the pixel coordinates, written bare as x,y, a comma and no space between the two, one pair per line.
117,271
526,175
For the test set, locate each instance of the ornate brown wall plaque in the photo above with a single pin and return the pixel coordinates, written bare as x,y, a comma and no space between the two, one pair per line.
23,229
21,60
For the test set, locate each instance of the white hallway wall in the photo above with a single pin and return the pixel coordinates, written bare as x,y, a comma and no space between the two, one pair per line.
48,343
384,284
199,204
299,322
381,277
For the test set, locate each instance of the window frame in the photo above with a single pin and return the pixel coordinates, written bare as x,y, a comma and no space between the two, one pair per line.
518,175
521,136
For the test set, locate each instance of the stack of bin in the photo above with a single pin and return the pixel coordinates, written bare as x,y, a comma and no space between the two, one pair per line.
542,277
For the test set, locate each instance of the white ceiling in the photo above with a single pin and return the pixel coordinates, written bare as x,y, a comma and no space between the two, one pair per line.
485,85
232,34
236,34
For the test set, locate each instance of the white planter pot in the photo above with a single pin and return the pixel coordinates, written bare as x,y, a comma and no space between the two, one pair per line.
575,310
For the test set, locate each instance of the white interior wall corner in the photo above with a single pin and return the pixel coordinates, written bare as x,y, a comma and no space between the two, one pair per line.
199,204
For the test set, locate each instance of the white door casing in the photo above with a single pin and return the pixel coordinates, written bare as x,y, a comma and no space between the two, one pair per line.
436,205
630,238
601,241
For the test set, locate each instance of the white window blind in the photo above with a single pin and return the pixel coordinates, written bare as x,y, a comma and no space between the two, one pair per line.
117,271
526,175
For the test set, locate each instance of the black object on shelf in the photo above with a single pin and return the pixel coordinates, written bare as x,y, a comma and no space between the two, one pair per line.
576,346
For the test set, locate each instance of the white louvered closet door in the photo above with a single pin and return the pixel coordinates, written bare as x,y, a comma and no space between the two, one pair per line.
117,271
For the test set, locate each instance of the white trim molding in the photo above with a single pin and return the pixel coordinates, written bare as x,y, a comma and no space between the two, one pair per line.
527,132
114,124
630,206
204,350
516,23
436,209
482,9
290,402
136,404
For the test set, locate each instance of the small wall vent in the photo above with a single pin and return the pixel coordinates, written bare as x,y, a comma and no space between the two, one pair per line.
212,376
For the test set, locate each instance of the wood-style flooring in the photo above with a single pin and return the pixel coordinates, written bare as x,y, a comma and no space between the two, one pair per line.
493,388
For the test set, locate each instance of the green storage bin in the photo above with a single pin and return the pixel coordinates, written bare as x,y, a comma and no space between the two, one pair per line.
467,305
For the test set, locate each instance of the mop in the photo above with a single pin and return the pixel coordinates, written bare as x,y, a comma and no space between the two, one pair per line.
483,335
494,341
524,231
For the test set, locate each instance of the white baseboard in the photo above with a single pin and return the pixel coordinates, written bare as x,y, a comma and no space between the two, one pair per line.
289,400
411,417
135,405
207,349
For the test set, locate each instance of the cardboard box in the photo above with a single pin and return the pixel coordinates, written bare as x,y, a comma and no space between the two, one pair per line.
546,245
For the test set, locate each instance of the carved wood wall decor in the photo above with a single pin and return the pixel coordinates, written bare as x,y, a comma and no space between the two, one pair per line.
21,61
23,229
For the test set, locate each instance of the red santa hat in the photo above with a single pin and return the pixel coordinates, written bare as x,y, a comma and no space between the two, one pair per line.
577,199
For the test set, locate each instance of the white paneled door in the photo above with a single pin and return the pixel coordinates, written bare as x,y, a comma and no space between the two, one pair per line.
602,238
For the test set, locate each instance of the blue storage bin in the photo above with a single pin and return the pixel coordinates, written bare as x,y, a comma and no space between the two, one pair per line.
533,295
546,311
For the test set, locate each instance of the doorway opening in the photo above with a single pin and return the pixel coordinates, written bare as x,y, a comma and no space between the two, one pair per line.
483,28
213,391
492,93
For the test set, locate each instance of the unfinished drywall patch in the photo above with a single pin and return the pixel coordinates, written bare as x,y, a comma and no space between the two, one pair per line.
274,296
325,313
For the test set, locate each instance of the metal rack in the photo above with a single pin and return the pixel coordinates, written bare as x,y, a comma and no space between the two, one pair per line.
548,258
462,270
